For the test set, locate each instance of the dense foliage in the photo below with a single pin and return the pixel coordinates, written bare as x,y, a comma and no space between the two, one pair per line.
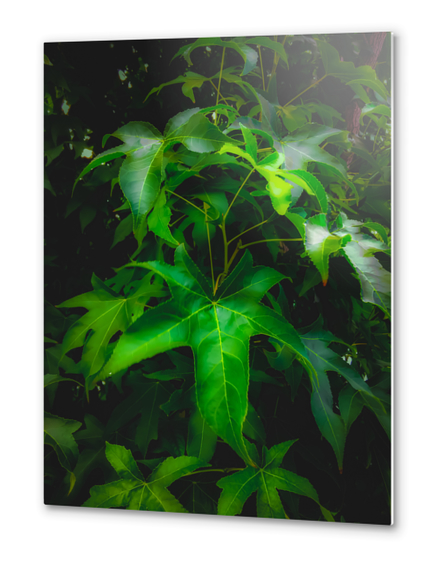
217,276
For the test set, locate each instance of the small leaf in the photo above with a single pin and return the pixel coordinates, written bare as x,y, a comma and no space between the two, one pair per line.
58,434
320,243
266,480
159,220
133,491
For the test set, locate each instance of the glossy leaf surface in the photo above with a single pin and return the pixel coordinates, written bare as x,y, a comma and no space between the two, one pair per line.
218,330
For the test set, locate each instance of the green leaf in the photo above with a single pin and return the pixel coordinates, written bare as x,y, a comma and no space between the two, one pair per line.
218,329
266,480
133,491
378,230
58,434
136,136
249,55
270,119
123,462
55,379
124,229
375,280
320,244
311,279
140,180
331,425
190,81
280,190
253,426
159,220
107,314
298,221
311,185
303,147
250,142
201,438
347,72
198,134
144,401
87,214
350,404
269,44
374,109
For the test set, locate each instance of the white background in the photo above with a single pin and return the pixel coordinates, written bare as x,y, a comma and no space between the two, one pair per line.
32,530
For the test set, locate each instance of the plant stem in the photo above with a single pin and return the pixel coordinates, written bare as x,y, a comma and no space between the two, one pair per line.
247,230
368,124
263,76
221,97
219,81
217,283
186,200
227,264
177,220
226,246
261,66
271,240
306,90
205,206
237,193
375,139
275,64
238,247
216,470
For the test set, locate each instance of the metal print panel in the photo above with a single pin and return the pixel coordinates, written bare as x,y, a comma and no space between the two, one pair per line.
217,276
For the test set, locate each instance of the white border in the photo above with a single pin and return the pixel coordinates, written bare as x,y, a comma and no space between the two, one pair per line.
31,529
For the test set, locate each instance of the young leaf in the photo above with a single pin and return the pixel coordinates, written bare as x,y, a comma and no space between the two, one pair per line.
248,54
320,244
303,147
190,81
159,220
133,491
266,479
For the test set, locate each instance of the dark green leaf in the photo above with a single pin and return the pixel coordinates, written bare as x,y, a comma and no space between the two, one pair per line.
133,492
58,434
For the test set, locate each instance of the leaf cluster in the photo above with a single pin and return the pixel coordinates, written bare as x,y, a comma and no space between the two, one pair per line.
229,351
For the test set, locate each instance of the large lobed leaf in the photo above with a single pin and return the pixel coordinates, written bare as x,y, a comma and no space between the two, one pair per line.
217,328
141,172
108,313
